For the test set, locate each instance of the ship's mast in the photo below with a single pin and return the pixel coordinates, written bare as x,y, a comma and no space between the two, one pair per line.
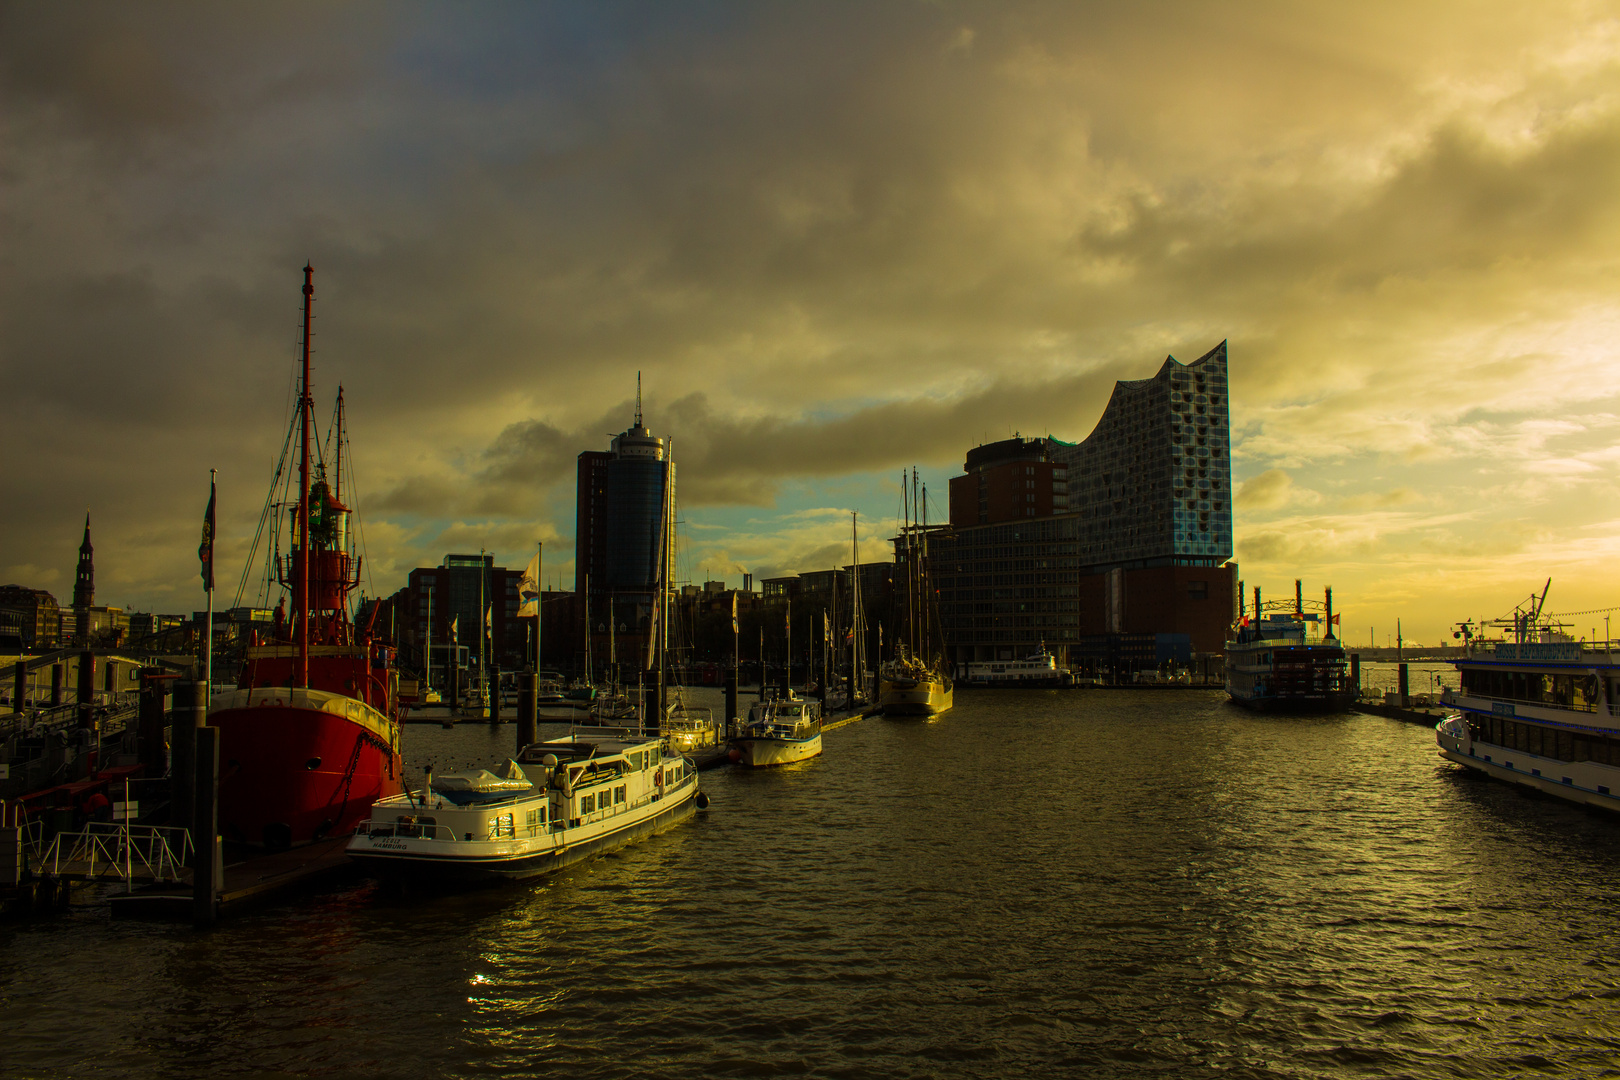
306,405
337,460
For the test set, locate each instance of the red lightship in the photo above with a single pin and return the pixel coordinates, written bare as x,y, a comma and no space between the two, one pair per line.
310,738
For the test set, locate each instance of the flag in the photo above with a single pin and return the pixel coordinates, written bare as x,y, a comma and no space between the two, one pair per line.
529,589
826,629
1335,620
734,627
455,630
489,618
205,550
787,619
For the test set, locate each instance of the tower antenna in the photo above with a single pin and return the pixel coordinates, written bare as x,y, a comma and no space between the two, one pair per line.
638,399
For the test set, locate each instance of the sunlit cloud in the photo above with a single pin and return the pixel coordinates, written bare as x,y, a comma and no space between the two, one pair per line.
835,243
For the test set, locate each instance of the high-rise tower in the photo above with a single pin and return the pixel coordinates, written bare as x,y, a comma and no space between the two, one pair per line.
619,538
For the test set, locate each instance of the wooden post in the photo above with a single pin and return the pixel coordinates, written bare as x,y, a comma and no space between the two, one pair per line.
1355,673
150,729
207,867
1405,687
651,684
528,708
86,688
731,701
189,713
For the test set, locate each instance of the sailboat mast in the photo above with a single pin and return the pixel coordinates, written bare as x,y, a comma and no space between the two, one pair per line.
911,599
306,405
855,635
924,611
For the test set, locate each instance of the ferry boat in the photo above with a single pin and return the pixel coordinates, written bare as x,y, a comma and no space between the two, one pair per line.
310,737
779,731
556,803
1280,662
1542,711
1038,669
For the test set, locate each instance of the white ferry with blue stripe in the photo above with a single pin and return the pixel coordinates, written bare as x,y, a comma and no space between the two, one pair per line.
1542,711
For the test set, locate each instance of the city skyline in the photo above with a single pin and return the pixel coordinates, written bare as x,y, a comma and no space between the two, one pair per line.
838,242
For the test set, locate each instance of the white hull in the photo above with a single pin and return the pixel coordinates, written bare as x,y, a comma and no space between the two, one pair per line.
538,829
1584,782
761,752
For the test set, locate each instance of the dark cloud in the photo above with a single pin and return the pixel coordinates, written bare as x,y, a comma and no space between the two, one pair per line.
835,239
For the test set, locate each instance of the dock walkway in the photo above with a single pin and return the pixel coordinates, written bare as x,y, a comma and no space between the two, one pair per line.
250,881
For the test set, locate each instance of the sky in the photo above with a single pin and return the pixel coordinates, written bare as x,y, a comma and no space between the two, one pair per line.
836,240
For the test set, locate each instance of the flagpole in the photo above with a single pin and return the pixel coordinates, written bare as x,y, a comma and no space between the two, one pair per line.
208,589
540,599
208,662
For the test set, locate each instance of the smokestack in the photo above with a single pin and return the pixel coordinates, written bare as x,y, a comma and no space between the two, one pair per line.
1299,599
1327,631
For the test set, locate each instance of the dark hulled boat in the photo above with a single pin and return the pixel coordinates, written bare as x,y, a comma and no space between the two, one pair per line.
1279,663
310,738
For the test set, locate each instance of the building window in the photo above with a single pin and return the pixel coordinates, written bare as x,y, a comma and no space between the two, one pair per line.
1198,590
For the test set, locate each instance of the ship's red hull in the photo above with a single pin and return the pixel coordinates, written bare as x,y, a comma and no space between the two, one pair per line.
291,774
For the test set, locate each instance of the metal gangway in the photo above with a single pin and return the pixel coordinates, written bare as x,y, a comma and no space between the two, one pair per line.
118,850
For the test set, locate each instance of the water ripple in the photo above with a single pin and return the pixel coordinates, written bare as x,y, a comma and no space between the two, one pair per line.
1041,884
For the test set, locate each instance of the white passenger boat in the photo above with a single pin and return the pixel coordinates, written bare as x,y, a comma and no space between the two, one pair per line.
558,802
1038,669
779,731
1542,711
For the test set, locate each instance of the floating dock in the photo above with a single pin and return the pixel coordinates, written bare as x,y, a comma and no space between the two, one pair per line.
249,882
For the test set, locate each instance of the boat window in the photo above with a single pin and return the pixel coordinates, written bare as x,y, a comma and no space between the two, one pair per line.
1564,744
618,794
587,804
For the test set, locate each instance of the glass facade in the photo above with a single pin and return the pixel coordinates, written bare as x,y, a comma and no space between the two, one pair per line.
1154,480
635,499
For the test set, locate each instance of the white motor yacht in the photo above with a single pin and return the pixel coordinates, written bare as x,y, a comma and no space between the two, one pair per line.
556,803
779,731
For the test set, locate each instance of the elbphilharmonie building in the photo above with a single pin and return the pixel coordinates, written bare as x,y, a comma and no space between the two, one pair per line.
1121,540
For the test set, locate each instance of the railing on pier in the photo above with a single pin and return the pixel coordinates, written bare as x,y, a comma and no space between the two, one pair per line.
117,850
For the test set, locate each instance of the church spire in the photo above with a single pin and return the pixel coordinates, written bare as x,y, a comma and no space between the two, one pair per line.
84,584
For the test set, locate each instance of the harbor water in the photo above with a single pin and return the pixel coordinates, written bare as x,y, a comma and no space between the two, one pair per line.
1087,883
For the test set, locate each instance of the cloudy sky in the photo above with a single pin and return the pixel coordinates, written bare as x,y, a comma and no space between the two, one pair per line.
837,240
